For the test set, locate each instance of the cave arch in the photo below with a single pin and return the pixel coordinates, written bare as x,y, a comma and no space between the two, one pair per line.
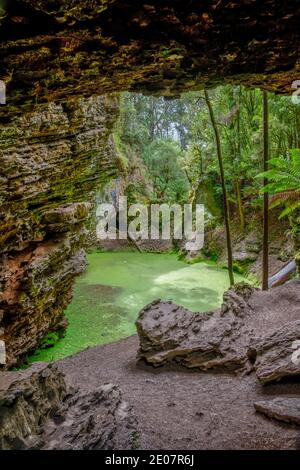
56,60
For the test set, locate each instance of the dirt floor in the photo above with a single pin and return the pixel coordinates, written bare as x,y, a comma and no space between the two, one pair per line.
180,409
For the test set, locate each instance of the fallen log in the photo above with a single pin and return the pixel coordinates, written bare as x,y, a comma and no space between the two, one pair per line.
283,275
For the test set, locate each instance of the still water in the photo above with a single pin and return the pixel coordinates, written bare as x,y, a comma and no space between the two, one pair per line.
115,287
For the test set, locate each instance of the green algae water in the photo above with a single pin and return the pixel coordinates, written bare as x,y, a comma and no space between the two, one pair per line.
115,287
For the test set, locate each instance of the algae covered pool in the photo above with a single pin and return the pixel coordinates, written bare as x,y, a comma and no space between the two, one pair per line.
109,295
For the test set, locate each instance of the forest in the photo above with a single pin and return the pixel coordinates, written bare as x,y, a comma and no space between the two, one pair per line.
173,145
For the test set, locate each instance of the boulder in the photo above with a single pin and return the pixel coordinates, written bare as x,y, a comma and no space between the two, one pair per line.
253,331
275,353
38,411
281,408
26,400
93,421
169,333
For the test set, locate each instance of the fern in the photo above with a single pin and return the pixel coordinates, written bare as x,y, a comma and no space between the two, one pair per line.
284,182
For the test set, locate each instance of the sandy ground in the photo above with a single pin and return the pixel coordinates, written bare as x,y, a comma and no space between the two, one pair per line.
180,409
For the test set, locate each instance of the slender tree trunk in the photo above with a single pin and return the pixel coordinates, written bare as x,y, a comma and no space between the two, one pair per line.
240,206
225,198
265,282
294,222
238,182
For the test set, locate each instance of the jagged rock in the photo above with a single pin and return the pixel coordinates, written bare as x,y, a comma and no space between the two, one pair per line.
236,299
26,400
283,409
273,353
253,330
202,340
38,287
63,218
52,161
244,257
92,421
38,411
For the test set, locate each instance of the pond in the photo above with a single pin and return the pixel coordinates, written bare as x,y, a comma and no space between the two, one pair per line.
115,287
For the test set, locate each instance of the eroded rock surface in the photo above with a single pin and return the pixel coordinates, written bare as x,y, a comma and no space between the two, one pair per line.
50,50
51,162
92,421
26,400
39,411
253,330
273,353
203,340
284,409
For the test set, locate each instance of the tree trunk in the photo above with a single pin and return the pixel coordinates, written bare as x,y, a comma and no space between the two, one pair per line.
240,206
265,283
238,182
295,224
225,198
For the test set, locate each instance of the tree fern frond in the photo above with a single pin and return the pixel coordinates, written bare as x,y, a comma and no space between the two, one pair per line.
286,196
284,182
290,209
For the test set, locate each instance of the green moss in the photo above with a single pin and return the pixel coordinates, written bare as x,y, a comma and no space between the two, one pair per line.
51,339
199,259
212,252
252,279
239,268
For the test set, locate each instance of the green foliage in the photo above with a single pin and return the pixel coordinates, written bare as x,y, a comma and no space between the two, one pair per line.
162,158
172,146
51,339
147,134
284,182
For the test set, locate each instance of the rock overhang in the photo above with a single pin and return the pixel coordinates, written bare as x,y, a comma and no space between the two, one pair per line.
53,50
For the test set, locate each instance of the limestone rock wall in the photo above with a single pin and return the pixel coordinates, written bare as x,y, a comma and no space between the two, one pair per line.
52,160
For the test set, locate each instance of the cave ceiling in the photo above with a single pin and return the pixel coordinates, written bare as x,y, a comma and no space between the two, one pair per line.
54,49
